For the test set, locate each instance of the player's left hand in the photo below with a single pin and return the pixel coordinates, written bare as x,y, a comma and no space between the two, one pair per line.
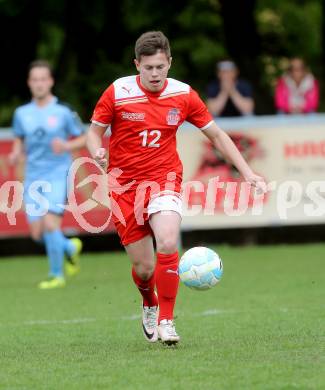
258,182
59,145
101,158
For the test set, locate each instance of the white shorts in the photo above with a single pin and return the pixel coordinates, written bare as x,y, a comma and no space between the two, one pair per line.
165,204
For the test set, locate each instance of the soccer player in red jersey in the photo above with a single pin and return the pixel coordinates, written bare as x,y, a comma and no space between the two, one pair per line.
145,172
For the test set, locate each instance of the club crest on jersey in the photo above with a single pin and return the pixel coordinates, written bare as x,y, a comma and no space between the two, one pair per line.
52,121
173,116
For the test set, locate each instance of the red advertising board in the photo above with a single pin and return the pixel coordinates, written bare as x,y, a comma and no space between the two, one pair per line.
13,221
287,151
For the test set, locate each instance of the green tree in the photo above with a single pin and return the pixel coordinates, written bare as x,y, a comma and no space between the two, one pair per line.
289,29
91,43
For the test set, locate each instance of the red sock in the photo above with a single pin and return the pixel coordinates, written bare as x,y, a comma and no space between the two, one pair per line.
146,288
167,284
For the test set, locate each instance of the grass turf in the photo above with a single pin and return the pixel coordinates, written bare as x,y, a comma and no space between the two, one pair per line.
261,328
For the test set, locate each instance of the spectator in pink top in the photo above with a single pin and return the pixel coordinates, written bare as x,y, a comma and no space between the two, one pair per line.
297,91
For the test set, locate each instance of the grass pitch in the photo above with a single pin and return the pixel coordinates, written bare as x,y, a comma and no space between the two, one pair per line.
262,327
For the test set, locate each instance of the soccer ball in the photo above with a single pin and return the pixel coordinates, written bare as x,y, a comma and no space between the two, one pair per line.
200,268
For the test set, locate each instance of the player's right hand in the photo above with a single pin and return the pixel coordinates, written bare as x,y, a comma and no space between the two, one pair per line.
258,182
101,158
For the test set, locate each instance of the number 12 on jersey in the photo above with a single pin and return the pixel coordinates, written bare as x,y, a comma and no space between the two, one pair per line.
150,138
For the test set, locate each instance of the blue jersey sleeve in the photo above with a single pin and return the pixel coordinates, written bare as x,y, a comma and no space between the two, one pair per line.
74,125
17,127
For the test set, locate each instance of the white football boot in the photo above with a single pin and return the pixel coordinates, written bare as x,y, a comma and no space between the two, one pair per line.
167,332
149,323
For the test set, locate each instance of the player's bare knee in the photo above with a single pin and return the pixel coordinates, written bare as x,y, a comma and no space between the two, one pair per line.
167,245
36,236
49,227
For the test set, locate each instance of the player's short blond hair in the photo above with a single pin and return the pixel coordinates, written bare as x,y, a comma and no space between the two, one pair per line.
150,43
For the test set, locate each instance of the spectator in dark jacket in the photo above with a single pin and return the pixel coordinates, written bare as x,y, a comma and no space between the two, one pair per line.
228,95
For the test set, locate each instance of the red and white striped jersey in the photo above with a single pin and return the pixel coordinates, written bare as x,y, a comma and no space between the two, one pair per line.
143,127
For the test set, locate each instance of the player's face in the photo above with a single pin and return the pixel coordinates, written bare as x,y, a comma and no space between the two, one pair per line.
153,70
40,82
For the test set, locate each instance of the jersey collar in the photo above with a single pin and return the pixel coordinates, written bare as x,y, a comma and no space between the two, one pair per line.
53,101
150,93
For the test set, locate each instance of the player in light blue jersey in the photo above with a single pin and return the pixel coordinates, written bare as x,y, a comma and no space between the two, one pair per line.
46,132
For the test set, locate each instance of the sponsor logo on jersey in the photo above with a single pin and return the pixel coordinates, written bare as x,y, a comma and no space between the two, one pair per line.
133,116
173,116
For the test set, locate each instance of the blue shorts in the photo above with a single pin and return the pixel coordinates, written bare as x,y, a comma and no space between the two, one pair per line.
44,196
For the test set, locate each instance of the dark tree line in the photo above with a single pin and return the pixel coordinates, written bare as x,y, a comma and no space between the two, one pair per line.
91,43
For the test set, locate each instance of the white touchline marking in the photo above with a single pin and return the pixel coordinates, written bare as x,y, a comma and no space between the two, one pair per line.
132,317
51,322
54,322
214,312
209,312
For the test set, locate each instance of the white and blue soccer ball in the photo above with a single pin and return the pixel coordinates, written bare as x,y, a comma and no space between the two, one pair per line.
200,268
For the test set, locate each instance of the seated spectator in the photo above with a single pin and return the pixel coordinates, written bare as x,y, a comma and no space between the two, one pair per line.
228,95
297,91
